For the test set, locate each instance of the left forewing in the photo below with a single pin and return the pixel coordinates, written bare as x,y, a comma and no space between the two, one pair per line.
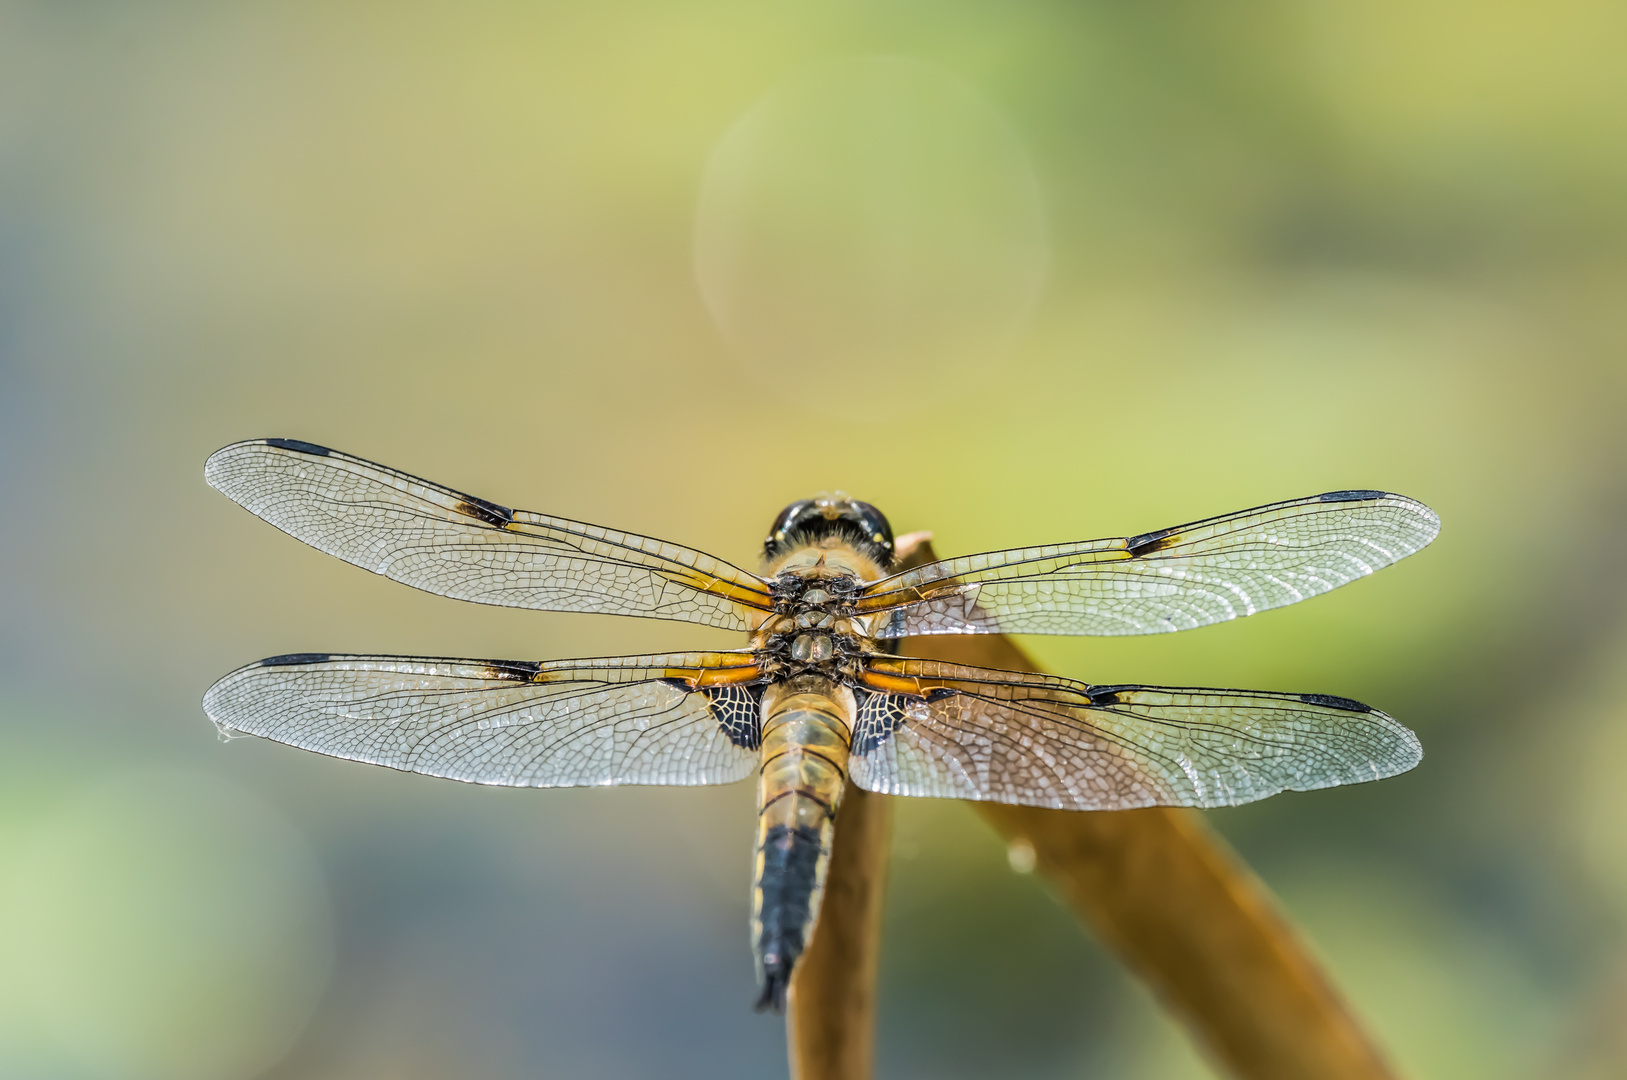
682,718
450,543
949,731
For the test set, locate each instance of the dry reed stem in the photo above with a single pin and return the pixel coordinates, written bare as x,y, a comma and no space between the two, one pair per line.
831,1010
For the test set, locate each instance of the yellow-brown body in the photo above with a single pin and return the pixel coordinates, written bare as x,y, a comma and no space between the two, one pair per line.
808,718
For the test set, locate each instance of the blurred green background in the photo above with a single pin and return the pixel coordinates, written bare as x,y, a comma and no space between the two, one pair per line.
1017,273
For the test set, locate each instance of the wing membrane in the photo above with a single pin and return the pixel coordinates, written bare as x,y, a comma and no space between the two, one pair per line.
443,541
949,731
683,718
1173,579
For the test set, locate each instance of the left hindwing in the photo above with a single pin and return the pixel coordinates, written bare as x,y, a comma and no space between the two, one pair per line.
682,718
950,731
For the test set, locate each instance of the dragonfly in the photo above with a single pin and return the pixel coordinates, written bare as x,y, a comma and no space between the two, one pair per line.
816,700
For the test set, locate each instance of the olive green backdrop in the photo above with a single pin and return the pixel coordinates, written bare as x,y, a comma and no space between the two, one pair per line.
1016,273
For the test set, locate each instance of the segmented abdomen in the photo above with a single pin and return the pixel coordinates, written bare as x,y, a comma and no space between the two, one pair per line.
806,734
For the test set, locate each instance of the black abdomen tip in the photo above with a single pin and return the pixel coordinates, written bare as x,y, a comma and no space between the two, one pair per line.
775,985
790,875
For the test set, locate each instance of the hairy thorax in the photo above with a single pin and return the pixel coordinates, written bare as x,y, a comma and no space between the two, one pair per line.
813,630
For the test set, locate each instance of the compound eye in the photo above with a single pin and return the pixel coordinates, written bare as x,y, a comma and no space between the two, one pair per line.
788,519
874,523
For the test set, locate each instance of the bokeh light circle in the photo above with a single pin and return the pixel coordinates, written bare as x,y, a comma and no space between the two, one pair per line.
871,220
166,925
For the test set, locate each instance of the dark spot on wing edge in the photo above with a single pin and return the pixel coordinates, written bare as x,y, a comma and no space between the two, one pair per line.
1351,496
1105,695
513,670
1147,543
1331,702
493,514
296,658
299,447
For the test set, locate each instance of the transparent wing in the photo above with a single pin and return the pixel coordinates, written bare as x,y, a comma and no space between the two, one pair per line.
948,731
1173,579
684,718
443,541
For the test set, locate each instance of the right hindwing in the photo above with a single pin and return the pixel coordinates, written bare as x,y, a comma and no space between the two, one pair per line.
951,731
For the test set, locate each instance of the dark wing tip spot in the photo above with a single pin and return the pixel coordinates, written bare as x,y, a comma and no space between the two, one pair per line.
1331,702
1147,543
299,447
938,693
1352,496
296,658
484,510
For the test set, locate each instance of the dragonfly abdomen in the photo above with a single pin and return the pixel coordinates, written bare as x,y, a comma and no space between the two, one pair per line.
807,730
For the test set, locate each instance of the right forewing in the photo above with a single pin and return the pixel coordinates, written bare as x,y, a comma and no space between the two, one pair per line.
1177,578
446,542
683,718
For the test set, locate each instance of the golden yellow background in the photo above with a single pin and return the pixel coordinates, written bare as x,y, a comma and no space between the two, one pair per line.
1017,273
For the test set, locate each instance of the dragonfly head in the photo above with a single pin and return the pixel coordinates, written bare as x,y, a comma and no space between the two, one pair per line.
828,521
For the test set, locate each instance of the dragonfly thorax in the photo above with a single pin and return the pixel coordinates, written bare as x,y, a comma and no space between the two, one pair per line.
813,628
